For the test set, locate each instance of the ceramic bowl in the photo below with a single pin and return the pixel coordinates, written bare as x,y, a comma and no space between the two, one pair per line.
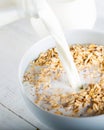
53,121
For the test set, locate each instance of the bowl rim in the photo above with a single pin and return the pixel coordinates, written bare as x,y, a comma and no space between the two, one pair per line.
35,44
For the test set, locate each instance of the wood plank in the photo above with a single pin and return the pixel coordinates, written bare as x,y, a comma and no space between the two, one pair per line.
10,121
13,43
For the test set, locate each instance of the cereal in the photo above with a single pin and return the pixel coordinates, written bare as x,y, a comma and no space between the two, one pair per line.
52,92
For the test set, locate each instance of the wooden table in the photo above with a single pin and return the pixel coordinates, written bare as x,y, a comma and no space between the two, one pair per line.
15,39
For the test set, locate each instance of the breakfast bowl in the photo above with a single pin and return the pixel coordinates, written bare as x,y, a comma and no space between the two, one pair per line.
53,121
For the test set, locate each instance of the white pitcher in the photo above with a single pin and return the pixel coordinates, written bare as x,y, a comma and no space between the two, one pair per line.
75,14
72,14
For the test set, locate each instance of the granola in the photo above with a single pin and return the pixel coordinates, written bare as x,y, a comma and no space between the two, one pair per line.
52,92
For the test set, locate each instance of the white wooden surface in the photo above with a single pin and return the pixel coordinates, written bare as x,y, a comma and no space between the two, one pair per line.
15,39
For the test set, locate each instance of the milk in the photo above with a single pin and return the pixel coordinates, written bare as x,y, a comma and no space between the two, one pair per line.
53,26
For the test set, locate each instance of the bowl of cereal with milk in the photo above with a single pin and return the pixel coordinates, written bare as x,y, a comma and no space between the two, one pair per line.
45,86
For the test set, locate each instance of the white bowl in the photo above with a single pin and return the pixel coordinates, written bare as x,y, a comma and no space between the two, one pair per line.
53,121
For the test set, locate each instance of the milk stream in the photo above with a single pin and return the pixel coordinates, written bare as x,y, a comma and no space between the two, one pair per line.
53,26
